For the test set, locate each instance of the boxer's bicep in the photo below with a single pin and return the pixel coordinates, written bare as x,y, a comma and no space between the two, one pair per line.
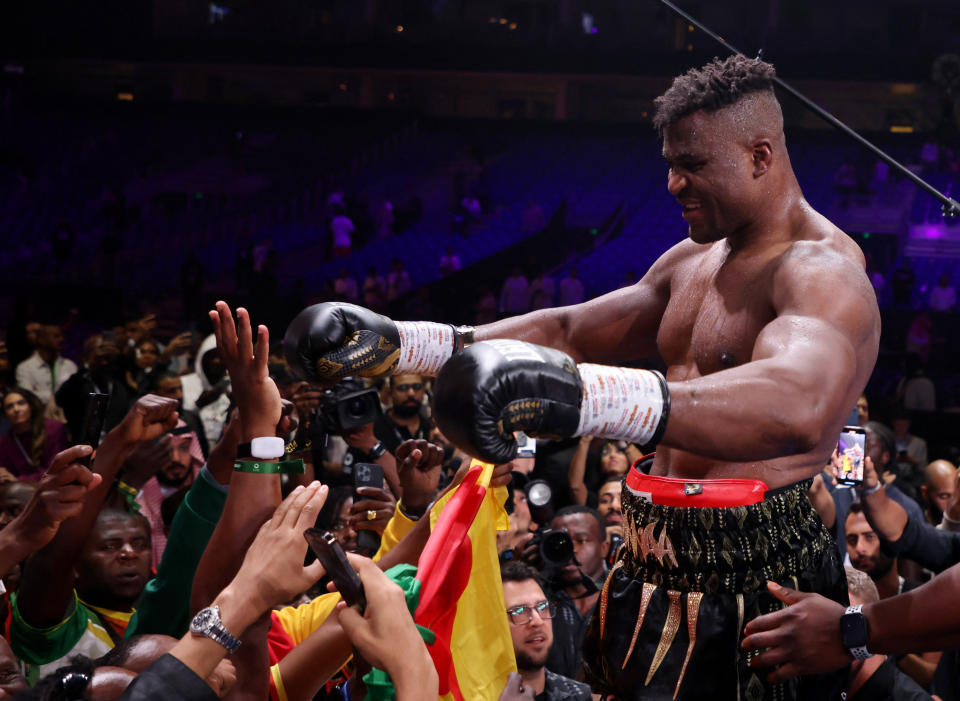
813,362
618,327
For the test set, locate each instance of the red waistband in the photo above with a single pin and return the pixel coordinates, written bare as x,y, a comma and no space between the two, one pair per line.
671,491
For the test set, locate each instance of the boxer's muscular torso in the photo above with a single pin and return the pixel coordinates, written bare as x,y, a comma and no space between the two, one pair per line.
720,302
767,347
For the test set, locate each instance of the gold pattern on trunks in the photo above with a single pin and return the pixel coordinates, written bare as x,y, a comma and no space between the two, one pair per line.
706,518
693,613
604,596
645,597
670,627
694,551
661,548
740,513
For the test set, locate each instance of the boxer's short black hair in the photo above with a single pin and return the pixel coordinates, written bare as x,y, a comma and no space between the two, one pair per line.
715,85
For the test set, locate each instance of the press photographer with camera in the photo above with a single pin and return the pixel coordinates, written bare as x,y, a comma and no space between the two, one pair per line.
570,550
348,411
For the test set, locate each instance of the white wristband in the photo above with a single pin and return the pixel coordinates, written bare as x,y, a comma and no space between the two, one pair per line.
267,448
424,347
623,403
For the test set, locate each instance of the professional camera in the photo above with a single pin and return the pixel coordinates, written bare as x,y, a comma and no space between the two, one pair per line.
556,546
346,407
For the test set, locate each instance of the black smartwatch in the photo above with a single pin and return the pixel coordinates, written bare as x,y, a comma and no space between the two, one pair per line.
377,451
855,632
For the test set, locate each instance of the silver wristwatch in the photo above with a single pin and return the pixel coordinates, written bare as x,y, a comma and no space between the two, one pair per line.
207,622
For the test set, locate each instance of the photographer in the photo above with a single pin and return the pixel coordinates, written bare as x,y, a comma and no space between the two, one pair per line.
348,411
574,569
404,420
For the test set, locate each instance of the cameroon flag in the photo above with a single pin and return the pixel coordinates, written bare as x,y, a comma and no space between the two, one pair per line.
461,596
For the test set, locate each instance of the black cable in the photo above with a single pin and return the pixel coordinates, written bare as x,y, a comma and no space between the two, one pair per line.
951,208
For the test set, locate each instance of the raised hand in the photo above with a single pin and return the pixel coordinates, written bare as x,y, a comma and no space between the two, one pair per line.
515,690
272,571
385,634
151,416
420,464
60,495
375,501
256,394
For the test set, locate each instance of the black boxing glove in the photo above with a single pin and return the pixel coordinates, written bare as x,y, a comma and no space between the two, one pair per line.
330,341
333,340
493,388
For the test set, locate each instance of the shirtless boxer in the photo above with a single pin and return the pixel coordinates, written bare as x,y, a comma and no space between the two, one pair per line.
769,328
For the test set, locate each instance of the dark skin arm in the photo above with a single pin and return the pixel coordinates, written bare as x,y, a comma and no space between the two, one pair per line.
327,649
886,516
46,589
805,637
252,498
616,327
823,333
363,439
58,497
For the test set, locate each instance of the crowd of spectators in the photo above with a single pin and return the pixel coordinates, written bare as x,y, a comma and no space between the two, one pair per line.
160,525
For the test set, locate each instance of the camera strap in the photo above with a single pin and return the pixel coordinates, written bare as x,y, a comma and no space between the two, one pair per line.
289,467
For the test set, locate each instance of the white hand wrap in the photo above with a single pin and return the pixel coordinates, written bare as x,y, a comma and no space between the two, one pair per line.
424,347
623,403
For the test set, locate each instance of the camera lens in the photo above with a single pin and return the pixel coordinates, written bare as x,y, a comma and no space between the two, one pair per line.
556,547
357,407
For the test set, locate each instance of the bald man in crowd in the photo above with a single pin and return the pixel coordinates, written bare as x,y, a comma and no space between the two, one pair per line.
937,490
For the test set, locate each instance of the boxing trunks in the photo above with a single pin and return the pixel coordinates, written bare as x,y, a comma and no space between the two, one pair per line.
688,578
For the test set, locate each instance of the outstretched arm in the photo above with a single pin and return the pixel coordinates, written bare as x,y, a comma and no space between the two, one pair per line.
59,496
47,586
252,498
615,328
271,573
804,638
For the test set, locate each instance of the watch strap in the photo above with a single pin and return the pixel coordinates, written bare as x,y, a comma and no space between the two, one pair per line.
462,337
377,450
208,624
859,651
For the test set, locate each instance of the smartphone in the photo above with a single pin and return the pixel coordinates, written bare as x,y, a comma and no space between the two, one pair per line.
526,446
367,474
94,418
851,451
325,546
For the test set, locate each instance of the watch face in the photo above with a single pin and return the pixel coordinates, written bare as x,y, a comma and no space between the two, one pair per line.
853,630
203,621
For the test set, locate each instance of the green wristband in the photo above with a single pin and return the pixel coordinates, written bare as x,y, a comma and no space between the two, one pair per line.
129,495
289,467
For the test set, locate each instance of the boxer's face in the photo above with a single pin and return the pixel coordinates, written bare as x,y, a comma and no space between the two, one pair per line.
710,175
